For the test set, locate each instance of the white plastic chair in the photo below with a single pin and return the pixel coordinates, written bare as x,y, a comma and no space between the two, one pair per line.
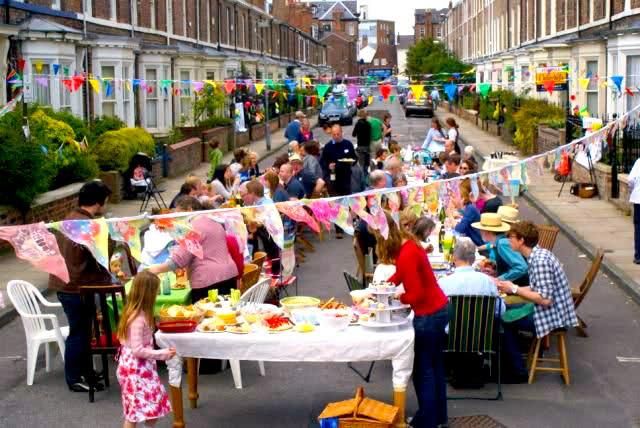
254,295
26,299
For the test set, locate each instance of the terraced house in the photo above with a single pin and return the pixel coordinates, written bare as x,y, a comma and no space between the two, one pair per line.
153,40
508,39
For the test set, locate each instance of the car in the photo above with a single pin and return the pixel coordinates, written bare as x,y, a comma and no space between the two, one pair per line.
423,106
335,111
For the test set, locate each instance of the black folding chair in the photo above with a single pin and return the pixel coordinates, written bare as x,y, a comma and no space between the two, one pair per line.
473,328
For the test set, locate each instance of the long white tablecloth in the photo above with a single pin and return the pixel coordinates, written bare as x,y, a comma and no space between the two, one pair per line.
351,345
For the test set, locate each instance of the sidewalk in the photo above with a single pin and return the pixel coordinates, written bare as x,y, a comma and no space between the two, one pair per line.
14,268
588,223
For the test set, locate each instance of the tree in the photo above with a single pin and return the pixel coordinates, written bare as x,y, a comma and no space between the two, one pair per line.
431,57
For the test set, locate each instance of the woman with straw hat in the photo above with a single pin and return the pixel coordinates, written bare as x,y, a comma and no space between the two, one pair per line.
509,265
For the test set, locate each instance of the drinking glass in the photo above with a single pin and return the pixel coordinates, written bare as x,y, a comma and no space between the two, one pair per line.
213,295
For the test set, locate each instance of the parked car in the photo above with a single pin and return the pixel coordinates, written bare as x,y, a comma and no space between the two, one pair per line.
335,111
423,106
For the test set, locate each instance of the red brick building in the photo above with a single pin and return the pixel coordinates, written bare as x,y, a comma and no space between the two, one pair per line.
377,48
429,24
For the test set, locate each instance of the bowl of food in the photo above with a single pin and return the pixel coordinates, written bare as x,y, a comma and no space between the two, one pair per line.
180,313
228,316
255,312
359,296
299,302
305,315
335,319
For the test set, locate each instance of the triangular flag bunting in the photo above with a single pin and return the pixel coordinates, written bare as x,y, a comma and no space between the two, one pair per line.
417,91
229,86
322,90
584,83
259,88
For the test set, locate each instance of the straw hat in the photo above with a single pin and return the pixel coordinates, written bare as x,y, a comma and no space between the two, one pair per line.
491,222
295,158
509,214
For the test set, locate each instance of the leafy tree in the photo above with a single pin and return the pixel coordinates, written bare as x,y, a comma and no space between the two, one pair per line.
209,103
431,57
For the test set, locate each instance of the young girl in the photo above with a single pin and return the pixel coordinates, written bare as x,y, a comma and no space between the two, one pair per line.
144,398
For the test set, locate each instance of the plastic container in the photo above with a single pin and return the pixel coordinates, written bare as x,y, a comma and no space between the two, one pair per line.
335,319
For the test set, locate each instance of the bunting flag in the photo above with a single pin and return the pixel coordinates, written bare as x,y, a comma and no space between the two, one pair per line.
229,86
378,217
56,69
290,84
324,211
370,100
450,89
617,81
358,205
352,92
42,81
549,85
108,88
343,218
584,83
95,85
182,232
10,105
259,88
417,90
271,85
233,223
322,90
209,82
299,214
129,233
385,91
197,86
628,91
484,89
21,63
35,244
38,66
268,215
392,98
306,81
92,234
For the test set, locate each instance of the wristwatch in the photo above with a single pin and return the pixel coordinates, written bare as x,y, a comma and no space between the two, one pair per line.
514,289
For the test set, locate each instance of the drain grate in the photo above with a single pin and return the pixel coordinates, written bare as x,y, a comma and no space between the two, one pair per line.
474,421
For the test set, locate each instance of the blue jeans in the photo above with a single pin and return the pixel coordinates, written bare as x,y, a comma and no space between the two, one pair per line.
77,359
636,231
428,370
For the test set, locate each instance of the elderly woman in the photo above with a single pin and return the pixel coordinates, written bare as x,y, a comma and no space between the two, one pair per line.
305,134
215,270
429,304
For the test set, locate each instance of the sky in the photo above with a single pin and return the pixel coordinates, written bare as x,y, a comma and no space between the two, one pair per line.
400,11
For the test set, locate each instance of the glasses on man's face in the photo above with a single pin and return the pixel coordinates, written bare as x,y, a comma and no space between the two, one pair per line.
464,168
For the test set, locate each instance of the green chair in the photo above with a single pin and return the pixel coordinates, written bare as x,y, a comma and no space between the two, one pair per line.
353,283
474,328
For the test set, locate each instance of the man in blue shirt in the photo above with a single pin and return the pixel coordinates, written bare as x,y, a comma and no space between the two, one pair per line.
291,185
293,128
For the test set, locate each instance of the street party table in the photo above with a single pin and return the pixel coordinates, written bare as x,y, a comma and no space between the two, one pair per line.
351,345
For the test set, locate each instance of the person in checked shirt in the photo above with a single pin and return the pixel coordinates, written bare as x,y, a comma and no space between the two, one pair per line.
549,290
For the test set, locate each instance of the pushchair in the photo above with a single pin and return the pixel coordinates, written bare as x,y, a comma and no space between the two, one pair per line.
139,181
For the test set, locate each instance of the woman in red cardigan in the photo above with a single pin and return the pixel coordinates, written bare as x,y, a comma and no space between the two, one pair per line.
429,304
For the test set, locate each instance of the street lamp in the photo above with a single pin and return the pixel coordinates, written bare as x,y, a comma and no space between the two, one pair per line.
263,23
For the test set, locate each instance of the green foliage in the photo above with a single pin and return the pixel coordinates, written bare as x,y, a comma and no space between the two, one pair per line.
208,103
114,149
49,132
105,123
531,113
26,170
78,125
73,165
175,136
431,57
215,121
486,109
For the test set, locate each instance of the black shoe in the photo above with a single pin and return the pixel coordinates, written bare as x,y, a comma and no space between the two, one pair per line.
339,235
636,261
84,387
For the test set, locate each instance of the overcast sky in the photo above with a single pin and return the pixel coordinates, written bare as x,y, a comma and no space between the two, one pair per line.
400,11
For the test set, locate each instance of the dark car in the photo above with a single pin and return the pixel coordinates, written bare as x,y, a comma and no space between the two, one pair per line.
423,106
335,111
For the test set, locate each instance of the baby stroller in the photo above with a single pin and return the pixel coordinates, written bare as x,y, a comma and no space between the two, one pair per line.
139,181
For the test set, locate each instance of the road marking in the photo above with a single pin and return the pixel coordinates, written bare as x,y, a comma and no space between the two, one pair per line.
628,359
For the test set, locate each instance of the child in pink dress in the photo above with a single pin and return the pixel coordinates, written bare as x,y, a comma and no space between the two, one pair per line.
144,398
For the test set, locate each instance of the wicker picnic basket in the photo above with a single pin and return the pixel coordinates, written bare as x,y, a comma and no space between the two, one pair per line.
361,412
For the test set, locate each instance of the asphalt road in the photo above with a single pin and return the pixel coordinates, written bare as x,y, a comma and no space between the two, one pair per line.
604,392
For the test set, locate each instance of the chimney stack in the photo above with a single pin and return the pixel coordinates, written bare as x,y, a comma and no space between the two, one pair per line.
337,20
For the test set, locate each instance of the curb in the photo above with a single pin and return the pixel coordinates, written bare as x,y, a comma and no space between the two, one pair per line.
9,314
621,278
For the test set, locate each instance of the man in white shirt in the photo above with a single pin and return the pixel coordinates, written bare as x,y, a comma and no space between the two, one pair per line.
466,281
634,198
435,98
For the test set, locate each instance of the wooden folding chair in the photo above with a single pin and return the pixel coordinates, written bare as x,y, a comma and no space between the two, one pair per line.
473,328
259,258
579,293
250,276
547,236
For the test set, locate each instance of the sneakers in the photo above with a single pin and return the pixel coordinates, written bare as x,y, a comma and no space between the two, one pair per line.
636,261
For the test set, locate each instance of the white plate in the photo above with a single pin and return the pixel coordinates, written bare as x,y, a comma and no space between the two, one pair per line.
395,322
381,292
201,330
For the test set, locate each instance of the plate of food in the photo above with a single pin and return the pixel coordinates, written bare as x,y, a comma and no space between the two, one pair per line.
212,325
348,160
332,303
277,324
243,328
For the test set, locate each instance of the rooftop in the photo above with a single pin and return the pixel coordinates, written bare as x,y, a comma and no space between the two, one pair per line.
324,9
404,42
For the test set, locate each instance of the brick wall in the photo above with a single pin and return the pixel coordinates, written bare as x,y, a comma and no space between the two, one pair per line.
600,9
572,17
585,12
72,5
580,174
144,13
161,14
560,14
635,4
123,9
203,20
177,17
548,138
101,9
52,210
192,23
547,22
618,6
184,156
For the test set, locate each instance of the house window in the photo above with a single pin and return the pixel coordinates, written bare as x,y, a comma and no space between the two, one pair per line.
185,96
422,32
383,61
126,94
633,78
151,105
229,26
55,4
41,93
376,62
112,4
592,89
242,32
351,28
65,95
165,114
108,74
211,75
524,73
326,27
314,31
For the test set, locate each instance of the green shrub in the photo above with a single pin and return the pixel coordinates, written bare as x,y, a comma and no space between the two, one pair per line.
78,125
26,169
533,112
114,149
215,121
209,103
49,132
74,166
105,123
